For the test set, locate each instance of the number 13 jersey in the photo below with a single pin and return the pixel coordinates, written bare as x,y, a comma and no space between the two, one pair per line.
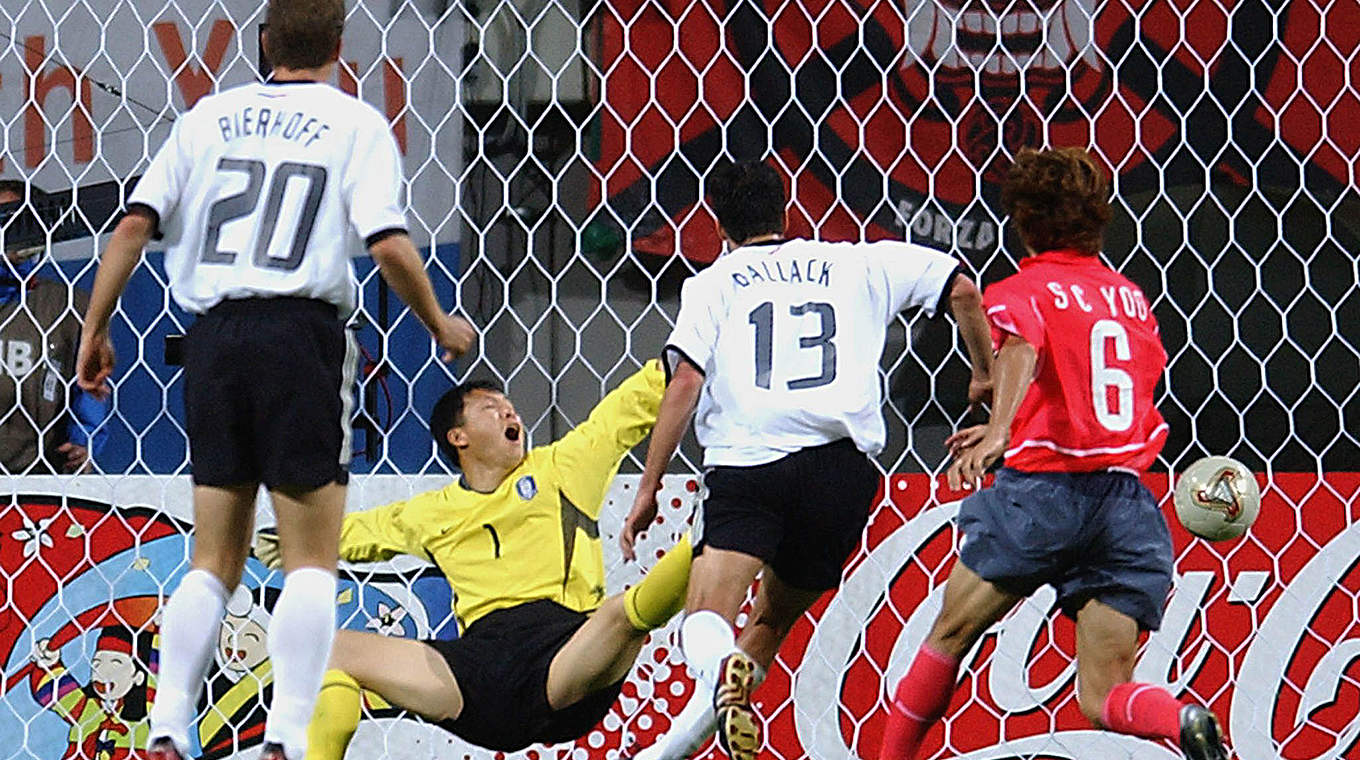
1092,403
269,190
788,336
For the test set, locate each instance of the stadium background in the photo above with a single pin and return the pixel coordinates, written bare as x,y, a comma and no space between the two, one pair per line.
554,152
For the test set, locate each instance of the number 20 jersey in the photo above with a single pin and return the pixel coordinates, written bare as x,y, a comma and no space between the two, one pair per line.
789,336
1092,403
269,190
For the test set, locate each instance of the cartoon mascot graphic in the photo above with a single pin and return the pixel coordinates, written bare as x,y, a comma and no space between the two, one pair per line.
108,713
233,706
79,594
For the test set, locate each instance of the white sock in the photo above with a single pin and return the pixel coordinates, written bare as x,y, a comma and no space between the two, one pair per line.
705,639
691,729
300,635
190,624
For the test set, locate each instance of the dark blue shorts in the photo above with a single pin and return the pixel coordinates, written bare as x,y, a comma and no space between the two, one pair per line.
1093,535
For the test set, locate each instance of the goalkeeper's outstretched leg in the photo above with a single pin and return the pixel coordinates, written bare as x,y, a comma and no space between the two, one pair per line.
534,672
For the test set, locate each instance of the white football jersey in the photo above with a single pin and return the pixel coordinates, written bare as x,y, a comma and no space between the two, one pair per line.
789,336
268,190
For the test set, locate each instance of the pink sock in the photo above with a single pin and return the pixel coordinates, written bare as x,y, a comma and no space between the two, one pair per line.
920,701
1141,709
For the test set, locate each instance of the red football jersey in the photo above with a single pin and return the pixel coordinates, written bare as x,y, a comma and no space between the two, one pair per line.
1091,405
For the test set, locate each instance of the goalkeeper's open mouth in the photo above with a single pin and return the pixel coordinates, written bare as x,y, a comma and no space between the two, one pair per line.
512,432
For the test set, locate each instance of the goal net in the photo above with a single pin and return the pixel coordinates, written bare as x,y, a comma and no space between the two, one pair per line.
554,154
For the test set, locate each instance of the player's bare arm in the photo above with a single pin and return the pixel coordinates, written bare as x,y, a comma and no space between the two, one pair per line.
400,264
95,359
976,448
677,406
965,303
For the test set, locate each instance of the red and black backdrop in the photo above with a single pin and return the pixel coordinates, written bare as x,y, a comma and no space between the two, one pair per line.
1229,126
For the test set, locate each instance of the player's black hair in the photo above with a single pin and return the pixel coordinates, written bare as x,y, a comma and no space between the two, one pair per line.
748,199
448,414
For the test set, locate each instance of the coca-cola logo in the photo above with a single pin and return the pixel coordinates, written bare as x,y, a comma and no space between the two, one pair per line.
1262,631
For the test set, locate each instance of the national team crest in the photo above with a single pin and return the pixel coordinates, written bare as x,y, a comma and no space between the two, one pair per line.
526,487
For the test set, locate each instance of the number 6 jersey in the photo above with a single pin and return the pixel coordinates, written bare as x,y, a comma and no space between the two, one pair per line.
789,335
269,190
1091,405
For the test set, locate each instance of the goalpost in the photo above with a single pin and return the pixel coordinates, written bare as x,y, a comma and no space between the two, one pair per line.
554,152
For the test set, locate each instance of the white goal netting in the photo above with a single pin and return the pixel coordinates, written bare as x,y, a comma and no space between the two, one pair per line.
554,153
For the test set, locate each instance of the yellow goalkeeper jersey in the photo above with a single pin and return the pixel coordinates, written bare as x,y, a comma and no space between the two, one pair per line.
536,536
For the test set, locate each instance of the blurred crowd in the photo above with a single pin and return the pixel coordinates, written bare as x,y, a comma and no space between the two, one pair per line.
48,425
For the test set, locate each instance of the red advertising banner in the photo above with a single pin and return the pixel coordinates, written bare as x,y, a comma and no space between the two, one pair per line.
1263,630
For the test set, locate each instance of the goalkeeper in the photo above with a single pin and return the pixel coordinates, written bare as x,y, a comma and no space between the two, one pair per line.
542,654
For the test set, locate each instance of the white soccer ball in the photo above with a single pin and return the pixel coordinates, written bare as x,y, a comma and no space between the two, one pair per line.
1217,498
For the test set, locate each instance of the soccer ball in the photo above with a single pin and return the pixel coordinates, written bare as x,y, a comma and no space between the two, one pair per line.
1217,498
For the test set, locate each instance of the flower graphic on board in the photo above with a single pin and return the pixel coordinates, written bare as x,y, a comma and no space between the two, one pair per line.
33,535
388,621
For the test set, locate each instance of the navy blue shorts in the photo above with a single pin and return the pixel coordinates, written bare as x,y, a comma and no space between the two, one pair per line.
1091,535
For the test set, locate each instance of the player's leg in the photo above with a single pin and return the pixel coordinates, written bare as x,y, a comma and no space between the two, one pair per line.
971,605
777,607
223,523
598,655
303,623
601,653
824,496
737,530
1119,591
718,583
823,528
1107,643
300,404
824,510
409,674
1014,536
727,675
218,421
